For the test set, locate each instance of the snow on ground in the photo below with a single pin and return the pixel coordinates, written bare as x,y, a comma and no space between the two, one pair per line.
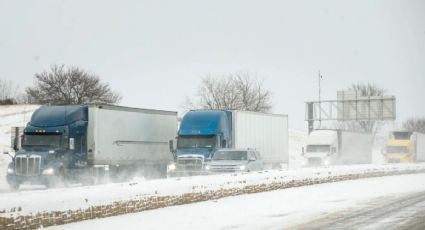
11,116
83,197
271,210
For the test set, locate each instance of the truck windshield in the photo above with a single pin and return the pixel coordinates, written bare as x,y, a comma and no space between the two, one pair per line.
230,155
196,142
402,135
44,139
318,148
397,149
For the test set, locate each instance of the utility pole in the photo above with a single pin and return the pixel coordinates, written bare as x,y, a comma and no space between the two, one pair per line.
320,99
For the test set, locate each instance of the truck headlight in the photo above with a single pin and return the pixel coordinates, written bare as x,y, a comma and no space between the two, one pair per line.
326,162
207,167
171,167
10,171
242,167
49,172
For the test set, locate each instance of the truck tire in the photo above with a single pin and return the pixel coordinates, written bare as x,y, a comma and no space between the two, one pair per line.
14,186
162,171
56,181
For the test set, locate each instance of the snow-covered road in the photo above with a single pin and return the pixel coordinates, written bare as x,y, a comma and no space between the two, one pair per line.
270,210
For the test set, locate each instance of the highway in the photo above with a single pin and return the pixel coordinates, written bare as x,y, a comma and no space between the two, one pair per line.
394,212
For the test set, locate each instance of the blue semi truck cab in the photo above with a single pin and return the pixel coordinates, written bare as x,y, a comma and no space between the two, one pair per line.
201,133
52,143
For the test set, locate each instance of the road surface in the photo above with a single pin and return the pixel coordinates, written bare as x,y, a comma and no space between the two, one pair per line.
387,213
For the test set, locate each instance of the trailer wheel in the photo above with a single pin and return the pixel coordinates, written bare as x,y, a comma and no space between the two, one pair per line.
57,180
163,171
14,186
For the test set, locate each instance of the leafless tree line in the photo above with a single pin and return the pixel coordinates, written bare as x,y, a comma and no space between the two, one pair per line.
364,90
234,91
415,125
10,93
70,85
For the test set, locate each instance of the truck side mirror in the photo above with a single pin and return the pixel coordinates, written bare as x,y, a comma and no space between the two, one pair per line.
15,144
71,143
171,146
223,143
7,153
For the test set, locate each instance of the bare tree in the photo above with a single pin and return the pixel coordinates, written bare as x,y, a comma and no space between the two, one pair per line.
415,125
235,91
70,86
9,92
364,90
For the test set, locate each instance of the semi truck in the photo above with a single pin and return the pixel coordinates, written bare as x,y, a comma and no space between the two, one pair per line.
203,132
405,147
337,147
88,143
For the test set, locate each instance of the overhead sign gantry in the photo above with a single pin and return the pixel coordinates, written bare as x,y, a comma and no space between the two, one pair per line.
351,106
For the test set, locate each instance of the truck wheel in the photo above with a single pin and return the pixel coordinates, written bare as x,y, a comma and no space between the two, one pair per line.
14,186
163,171
62,177
56,181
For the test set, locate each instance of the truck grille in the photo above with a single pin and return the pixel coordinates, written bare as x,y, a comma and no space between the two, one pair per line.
27,165
224,168
315,161
189,164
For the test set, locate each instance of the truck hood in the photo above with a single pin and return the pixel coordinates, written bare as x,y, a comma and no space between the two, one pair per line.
31,152
226,163
205,152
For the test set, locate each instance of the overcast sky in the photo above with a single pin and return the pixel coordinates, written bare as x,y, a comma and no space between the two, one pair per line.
155,52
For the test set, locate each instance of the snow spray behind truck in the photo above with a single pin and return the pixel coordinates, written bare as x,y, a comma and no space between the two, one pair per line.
90,142
335,147
203,132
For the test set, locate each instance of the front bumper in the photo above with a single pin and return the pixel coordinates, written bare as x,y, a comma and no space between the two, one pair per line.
13,179
183,173
316,161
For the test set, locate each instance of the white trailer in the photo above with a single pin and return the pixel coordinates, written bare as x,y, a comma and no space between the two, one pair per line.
267,133
336,147
121,136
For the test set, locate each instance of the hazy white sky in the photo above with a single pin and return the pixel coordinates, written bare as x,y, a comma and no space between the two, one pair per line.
155,52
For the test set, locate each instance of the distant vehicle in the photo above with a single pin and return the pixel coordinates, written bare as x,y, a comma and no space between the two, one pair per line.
337,147
234,160
203,132
87,143
405,147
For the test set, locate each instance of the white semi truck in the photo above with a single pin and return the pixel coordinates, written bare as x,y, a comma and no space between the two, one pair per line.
337,147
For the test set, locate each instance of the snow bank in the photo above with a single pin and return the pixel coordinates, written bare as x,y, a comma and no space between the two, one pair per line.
32,209
280,209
